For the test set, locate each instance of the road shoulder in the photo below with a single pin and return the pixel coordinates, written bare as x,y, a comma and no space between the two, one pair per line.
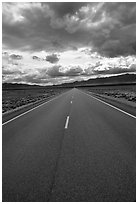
124,106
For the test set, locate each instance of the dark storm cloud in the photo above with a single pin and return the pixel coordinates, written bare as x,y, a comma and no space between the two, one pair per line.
52,58
36,58
63,8
16,57
124,12
55,71
108,28
121,42
118,37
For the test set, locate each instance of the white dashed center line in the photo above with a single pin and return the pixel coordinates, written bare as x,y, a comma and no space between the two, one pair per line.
71,102
67,122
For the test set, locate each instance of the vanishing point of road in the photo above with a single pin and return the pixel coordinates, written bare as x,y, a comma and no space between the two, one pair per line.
72,148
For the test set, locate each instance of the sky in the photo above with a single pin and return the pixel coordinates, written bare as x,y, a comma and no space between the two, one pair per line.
59,42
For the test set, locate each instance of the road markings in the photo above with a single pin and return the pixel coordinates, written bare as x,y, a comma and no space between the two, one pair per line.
71,102
67,122
112,106
30,110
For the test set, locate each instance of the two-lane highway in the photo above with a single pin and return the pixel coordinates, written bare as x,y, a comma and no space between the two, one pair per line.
73,148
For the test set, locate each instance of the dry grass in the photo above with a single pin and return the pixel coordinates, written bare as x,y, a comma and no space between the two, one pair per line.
125,92
12,99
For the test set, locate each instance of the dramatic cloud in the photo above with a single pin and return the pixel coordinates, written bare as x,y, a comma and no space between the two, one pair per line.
16,57
91,38
118,33
109,28
111,66
10,60
61,9
54,71
36,58
114,70
52,58
58,71
74,71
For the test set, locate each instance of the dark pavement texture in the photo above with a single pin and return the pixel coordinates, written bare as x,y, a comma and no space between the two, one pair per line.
92,160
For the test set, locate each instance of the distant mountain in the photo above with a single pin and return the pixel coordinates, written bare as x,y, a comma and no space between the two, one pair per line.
120,79
18,86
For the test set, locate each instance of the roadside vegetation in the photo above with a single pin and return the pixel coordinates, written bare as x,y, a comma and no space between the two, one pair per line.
123,93
13,99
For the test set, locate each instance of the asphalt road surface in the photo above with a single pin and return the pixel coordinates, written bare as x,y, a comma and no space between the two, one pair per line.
73,148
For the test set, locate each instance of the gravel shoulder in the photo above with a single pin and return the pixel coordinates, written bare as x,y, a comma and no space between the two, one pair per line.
121,103
19,110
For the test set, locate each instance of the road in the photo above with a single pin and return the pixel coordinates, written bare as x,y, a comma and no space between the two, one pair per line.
73,148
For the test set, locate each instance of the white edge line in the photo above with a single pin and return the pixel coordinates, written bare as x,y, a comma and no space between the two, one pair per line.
67,122
111,106
30,110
